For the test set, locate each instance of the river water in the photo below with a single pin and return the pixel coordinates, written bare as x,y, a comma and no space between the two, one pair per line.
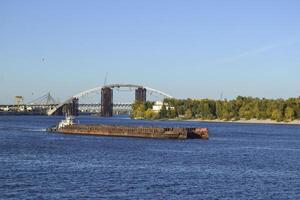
240,161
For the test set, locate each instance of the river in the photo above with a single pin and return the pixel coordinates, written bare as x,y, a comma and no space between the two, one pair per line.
240,161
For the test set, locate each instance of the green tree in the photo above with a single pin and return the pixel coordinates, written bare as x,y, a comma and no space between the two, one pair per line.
246,112
228,110
150,114
148,105
188,114
277,115
219,109
138,110
289,114
163,113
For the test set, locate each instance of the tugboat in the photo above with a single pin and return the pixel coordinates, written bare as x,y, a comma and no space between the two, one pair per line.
68,121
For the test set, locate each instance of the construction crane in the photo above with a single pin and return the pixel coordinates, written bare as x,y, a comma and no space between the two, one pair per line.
19,100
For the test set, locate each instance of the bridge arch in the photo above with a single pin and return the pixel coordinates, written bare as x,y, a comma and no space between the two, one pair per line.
86,92
111,86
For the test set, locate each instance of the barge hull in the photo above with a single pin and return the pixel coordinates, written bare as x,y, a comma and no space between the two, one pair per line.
141,132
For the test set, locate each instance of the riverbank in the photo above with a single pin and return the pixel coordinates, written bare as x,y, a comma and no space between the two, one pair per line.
251,121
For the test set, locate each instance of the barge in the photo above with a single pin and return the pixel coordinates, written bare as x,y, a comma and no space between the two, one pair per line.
68,127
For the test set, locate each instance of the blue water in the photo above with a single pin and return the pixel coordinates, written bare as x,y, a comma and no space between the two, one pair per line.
239,161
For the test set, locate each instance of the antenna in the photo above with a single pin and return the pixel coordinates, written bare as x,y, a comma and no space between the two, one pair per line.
221,96
105,80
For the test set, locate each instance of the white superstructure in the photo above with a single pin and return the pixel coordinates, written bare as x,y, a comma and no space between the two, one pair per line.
66,122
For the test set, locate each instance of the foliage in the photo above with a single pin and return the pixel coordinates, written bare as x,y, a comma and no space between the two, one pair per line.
289,114
239,108
163,112
150,114
138,110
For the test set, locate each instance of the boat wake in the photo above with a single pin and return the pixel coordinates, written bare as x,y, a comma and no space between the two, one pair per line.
22,129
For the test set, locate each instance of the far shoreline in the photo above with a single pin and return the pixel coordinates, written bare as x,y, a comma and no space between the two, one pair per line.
251,121
242,121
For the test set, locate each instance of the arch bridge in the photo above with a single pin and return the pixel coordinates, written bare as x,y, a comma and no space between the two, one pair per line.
70,106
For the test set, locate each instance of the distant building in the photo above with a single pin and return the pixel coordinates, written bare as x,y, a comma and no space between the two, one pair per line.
159,104
5,109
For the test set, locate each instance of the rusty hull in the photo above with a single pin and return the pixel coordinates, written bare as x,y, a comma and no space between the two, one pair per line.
140,131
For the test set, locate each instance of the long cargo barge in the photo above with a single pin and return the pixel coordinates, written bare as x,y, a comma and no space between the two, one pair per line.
131,131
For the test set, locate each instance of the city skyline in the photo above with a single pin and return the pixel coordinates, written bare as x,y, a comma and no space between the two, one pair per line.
197,49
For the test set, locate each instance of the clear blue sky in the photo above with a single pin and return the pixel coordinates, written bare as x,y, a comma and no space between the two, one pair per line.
191,48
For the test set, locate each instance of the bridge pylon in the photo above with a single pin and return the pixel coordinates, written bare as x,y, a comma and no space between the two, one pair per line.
71,108
141,94
106,102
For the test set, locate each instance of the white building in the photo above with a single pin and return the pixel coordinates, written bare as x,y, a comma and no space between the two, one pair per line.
157,106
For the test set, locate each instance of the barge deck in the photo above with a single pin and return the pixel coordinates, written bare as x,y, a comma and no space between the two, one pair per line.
132,131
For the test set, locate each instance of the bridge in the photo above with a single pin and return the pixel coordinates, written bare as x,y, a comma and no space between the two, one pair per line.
85,108
37,106
47,105
72,106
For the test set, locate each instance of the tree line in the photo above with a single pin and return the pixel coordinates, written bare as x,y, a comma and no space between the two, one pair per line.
240,108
